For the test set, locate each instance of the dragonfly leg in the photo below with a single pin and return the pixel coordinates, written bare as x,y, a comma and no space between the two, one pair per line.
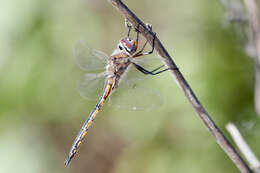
149,26
153,72
129,26
141,53
137,37
157,68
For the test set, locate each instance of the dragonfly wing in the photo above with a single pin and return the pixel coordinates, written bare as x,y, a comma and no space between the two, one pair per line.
89,59
130,96
91,86
149,63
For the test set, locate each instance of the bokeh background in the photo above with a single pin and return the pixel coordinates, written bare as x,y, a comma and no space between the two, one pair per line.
41,110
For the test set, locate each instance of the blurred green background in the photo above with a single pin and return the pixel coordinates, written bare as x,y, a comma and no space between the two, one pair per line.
41,110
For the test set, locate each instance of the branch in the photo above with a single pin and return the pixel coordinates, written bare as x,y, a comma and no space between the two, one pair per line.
176,74
244,148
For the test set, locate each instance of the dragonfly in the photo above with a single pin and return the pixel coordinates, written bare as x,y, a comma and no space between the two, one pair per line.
117,65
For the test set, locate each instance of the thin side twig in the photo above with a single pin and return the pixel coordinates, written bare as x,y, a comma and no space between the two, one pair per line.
243,147
176,74
252,10
245,16
253,17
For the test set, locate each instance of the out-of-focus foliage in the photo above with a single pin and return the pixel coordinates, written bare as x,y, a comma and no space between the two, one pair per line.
41,110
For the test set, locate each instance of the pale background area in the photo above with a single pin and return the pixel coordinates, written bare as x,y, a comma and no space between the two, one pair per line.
41,110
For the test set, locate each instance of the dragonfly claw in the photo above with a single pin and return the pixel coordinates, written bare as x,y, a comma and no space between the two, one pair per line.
149,26
127,24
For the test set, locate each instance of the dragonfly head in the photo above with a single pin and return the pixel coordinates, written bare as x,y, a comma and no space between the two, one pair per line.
128,45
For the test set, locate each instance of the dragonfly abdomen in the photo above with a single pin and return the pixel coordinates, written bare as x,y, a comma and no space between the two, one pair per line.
75,147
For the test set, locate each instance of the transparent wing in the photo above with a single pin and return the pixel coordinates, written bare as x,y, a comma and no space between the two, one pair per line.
89,59
130,96
91,86
148,62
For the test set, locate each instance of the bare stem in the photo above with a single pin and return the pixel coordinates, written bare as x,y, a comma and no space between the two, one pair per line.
251,7
253,14
243,147
176,74
245,19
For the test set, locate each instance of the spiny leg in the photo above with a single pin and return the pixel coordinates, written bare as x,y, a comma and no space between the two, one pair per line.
153,72
129,26
137,37
157,68
141,53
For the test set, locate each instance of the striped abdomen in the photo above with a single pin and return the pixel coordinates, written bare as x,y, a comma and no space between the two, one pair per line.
75,147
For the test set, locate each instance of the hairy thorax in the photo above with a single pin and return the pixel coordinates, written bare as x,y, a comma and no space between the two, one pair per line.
117,66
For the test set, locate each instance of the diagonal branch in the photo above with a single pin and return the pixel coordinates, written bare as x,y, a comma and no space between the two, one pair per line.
176,74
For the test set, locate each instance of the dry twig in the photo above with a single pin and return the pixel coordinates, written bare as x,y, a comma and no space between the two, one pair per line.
167,60
247,24
253,15
243,147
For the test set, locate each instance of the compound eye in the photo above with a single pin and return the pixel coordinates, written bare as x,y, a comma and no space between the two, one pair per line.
120,47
